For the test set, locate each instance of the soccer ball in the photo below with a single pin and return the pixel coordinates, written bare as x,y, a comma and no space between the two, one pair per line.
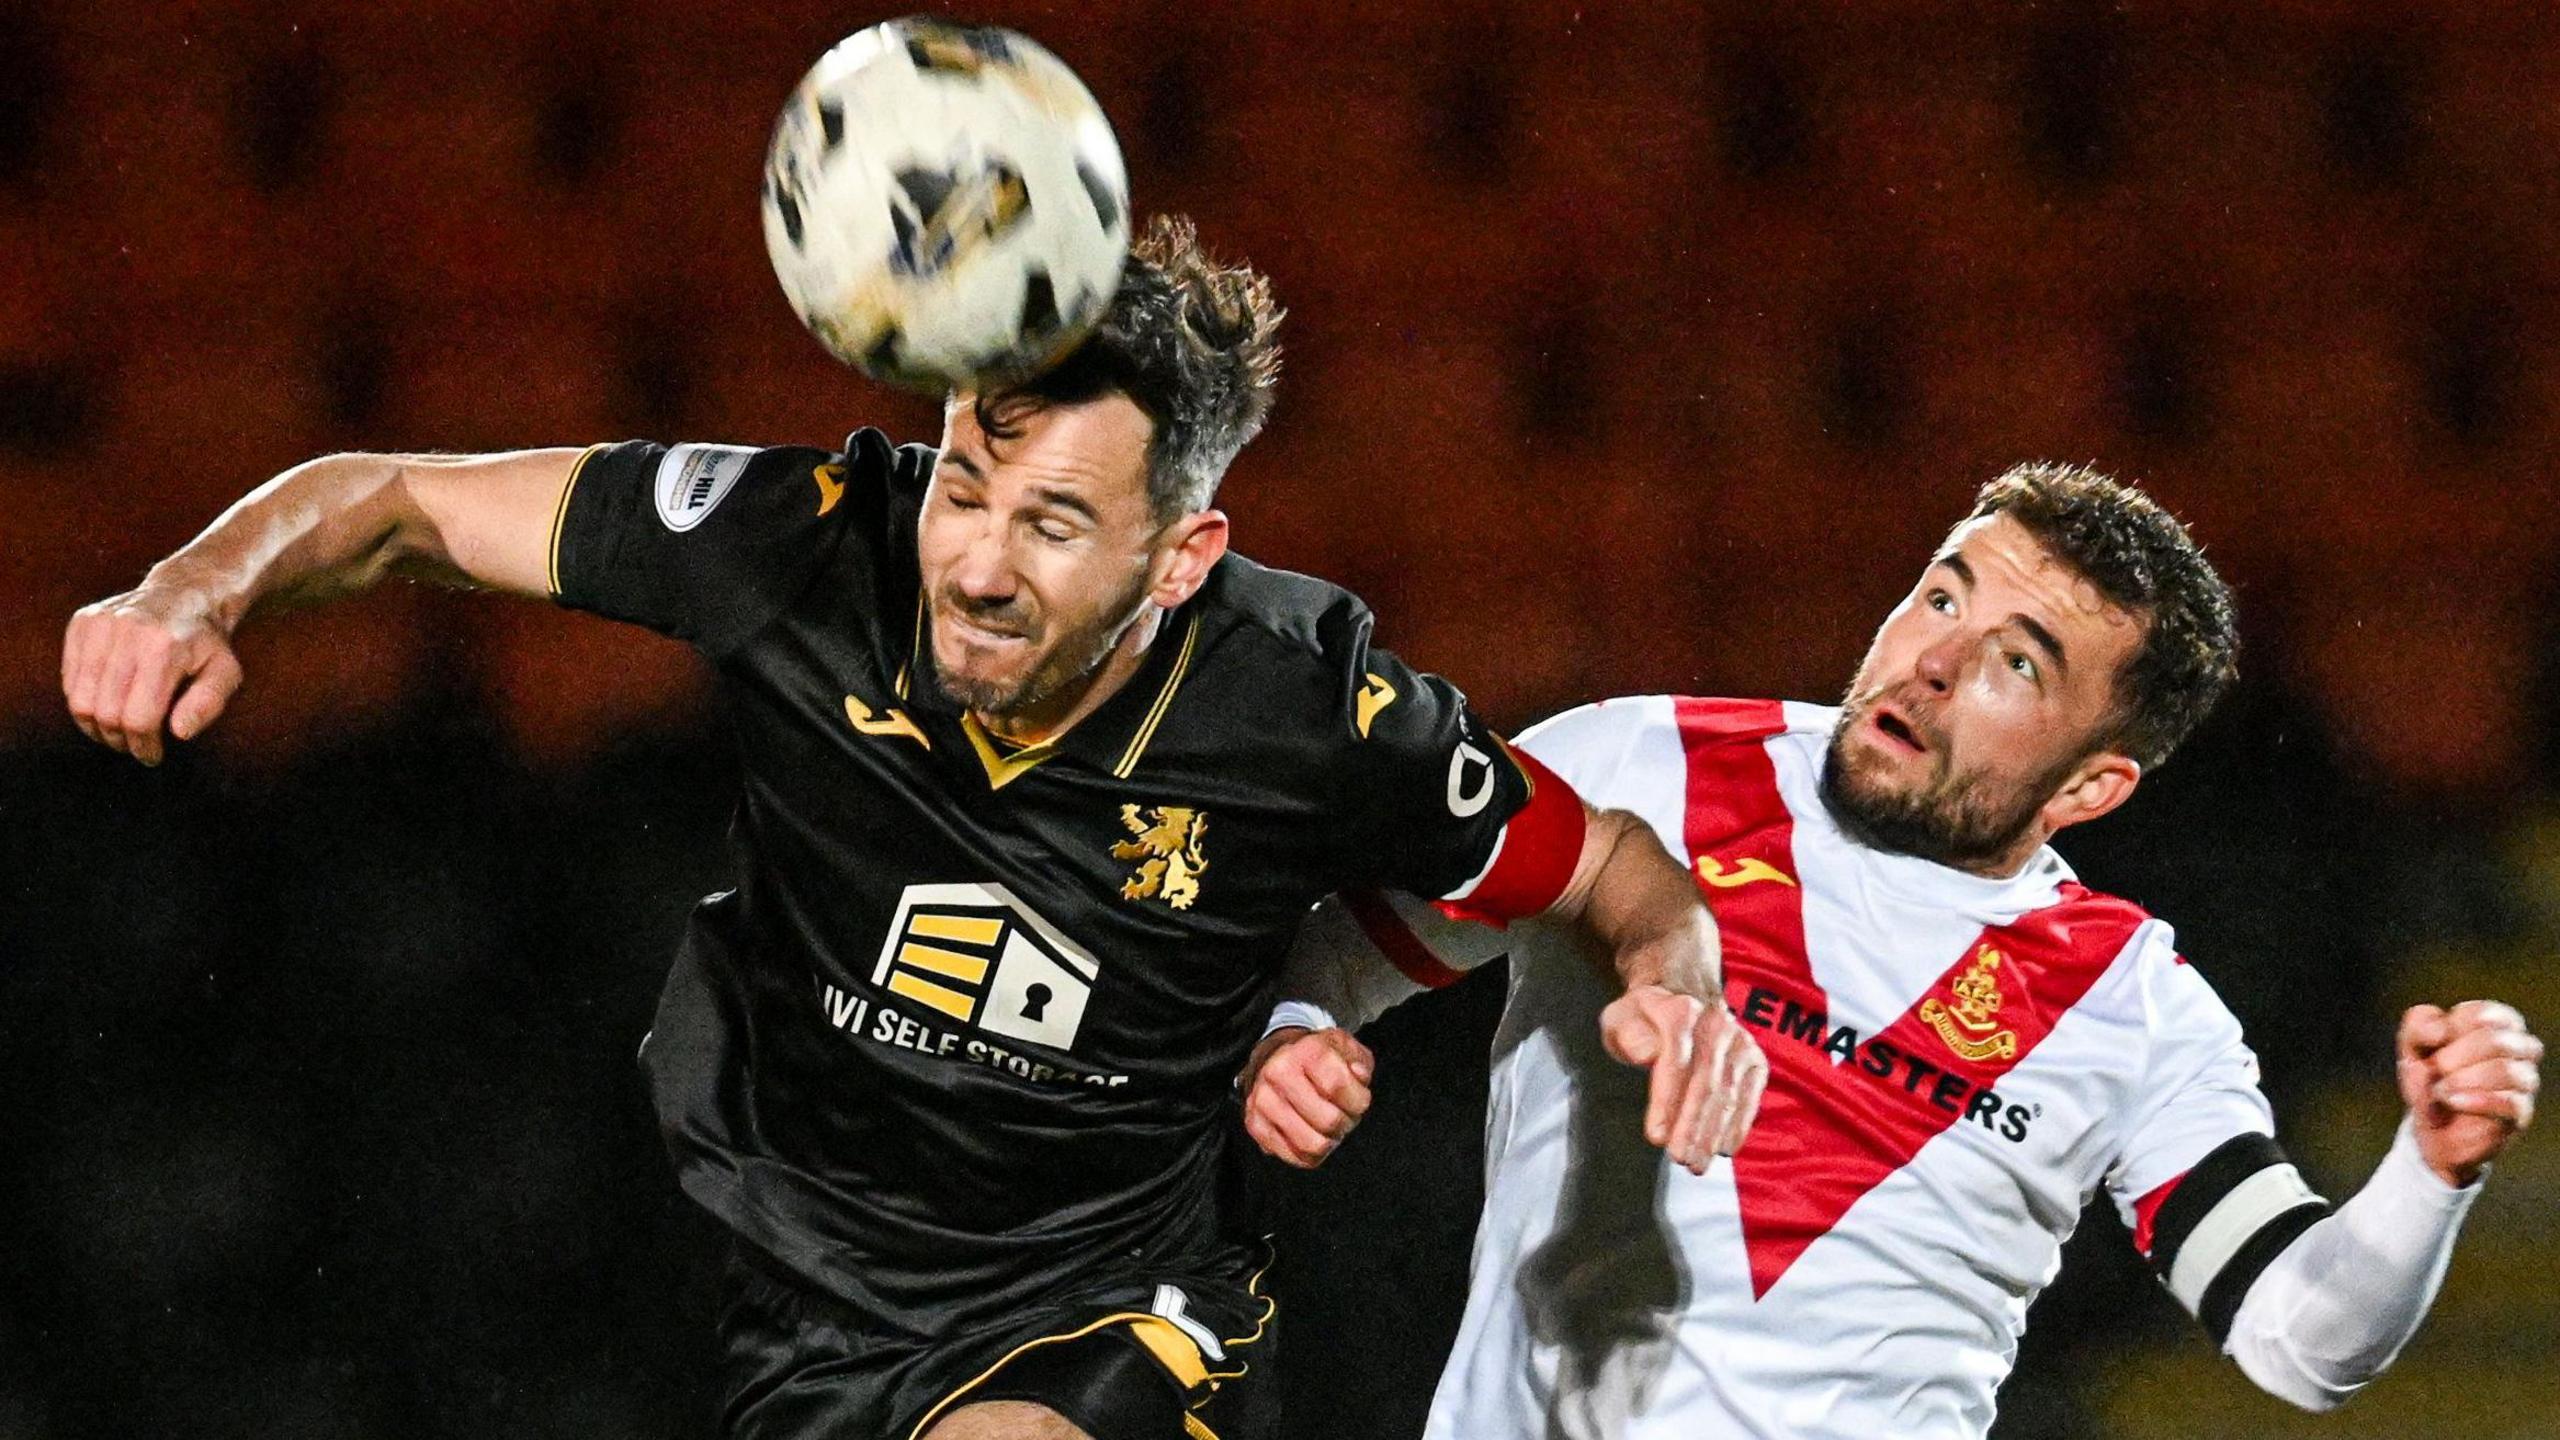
945,205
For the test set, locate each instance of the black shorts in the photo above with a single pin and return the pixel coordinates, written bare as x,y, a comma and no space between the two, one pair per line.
1124,1358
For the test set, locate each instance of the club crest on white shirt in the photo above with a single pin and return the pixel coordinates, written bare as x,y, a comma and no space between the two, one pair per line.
1970,1022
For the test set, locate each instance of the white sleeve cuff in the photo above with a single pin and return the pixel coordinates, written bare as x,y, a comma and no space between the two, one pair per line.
1301,1014
2404,1176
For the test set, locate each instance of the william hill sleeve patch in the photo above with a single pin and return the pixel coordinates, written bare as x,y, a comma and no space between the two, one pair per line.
694,479
708,543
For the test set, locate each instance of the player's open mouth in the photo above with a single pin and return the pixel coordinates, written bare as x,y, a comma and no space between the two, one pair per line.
1898,731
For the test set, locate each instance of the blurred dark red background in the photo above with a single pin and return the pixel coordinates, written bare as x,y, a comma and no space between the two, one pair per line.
1632,348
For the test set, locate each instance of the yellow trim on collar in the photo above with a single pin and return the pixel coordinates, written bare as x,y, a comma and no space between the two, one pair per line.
1002,769
1164,702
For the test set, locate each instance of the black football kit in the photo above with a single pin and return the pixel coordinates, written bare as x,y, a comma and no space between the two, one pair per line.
954,1060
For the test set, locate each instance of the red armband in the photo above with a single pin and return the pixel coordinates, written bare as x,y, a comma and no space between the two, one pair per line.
1533,857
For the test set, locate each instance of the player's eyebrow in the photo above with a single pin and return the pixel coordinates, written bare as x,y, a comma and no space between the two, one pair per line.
1955,561
967,466
2046,638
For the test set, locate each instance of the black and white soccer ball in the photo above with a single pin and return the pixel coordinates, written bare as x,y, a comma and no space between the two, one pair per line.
945,205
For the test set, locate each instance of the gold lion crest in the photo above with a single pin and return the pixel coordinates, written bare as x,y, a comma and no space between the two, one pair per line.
1969,1025
1166,844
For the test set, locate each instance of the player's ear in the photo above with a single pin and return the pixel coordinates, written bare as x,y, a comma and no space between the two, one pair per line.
2100,784
1184,554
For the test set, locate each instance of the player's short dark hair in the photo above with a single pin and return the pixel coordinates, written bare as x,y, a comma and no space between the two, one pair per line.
2139,557
1192,342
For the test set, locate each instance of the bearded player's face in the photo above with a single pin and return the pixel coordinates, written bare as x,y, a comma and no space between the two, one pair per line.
1971,731
1036,550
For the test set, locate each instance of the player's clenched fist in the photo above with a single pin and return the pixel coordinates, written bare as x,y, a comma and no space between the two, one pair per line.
2469,1076
128,659
1304,1090
1707,1071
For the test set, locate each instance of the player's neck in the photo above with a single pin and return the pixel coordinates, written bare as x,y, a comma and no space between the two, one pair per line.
1056,714
2011,863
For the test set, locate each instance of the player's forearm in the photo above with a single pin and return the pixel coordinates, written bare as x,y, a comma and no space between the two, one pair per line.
323,528
1633,897
2335,1308
1336,976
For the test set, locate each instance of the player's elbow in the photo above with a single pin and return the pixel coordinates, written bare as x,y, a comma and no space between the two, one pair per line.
475,519
2288,1378
405,511
2316,1401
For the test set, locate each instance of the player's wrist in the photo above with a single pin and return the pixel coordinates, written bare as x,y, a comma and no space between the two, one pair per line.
180,593
2457,1176
1683,963
1272,1042
2437,1177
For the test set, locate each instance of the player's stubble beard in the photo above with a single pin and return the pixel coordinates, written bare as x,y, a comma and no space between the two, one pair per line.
1076,657
1960,818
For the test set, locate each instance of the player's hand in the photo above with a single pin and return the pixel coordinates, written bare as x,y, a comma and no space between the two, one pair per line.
2469,1075
1707,1071
1304,1090
151,658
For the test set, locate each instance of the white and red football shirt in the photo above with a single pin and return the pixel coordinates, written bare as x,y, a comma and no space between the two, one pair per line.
1957,1064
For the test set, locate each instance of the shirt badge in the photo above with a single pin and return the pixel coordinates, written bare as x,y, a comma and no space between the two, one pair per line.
1165,841
693,479
1970,1025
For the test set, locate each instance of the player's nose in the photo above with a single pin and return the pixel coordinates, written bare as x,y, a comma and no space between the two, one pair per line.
984,569
1939,663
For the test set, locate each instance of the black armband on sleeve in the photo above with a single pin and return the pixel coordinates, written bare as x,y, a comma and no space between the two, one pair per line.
2229,1218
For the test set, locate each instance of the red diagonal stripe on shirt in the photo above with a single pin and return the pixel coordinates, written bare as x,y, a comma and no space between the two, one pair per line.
1829,1131
1735,813
1845,1124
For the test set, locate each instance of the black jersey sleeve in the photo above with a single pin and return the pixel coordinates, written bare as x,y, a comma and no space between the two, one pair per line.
1432,789
707,542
